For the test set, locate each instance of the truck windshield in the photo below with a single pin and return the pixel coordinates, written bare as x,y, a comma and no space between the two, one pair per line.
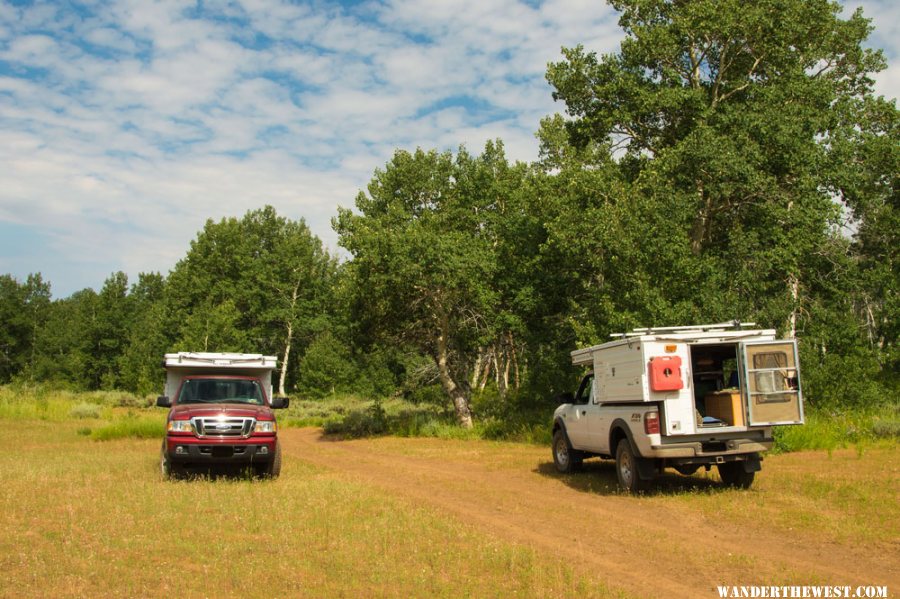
220,391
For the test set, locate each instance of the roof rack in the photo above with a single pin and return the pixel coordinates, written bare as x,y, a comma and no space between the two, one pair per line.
699,328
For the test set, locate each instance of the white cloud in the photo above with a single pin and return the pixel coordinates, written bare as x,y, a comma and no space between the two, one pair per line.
123,130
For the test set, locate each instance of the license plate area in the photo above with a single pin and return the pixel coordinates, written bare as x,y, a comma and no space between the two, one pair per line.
222,452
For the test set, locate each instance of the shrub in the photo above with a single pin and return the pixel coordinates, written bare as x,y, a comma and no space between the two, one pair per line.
326,368
360,423
137,428
85,410
833,429
428,395
886,429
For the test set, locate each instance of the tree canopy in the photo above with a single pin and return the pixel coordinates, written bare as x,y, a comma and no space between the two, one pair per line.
730,160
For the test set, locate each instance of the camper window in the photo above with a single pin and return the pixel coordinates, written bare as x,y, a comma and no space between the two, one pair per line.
773,377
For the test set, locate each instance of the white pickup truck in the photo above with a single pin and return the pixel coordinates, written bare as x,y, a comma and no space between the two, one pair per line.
680,397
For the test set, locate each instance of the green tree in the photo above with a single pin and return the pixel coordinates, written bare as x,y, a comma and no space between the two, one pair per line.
259,283
23,309
326,367
111,326
150,335
714,135
14,330
425,261
66,343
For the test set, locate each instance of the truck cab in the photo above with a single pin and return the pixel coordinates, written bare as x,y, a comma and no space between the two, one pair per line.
220,413
680,397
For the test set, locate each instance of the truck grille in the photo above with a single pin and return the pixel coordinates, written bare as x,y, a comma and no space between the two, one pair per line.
223,427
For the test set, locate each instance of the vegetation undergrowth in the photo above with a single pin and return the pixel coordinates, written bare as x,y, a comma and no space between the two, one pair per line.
133,426
830,429
107,415
353,416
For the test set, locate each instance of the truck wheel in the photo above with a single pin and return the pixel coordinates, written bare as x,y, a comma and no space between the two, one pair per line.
169,470
734,475
274,468
627,469
565,458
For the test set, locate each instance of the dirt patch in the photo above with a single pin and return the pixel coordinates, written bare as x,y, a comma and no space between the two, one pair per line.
673,543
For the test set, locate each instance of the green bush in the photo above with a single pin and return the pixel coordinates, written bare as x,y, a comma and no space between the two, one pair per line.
835,381
360,423
131,427
85,410
428,394
326,368
835,429
886,429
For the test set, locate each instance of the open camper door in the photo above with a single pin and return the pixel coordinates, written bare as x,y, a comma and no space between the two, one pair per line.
772,382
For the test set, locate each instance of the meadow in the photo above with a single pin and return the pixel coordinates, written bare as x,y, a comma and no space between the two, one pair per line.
85,512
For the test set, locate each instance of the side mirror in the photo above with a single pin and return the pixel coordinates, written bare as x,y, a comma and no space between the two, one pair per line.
567,397
279,403
163,401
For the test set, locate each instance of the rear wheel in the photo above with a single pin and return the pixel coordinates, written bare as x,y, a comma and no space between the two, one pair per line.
565,458
734,475
627,469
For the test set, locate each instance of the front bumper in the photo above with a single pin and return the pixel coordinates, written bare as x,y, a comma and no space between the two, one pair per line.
188,450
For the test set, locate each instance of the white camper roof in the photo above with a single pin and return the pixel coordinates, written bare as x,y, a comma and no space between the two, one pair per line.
703,333
201,360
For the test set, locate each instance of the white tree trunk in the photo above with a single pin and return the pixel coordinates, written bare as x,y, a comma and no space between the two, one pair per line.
284,361
457,396
794,286
289,341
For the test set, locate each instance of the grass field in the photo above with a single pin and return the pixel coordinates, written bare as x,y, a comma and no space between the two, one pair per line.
85,513
82,518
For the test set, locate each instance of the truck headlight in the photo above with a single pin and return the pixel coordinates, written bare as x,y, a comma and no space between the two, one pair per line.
264,426
180,426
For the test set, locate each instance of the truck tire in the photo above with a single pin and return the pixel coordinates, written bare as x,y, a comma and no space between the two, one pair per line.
274,468
566,459
734,475
170,470
627,469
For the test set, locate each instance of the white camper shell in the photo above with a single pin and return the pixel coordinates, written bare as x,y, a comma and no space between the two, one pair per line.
182,364
705,378
682,398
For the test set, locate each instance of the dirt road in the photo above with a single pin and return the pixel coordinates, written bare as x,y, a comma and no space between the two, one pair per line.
679,542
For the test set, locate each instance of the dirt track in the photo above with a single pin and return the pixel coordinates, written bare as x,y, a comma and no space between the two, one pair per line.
661,545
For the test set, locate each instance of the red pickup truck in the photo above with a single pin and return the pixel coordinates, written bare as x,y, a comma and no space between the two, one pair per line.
221,414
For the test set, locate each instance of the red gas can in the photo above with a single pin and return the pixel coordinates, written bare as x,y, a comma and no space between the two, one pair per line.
665,373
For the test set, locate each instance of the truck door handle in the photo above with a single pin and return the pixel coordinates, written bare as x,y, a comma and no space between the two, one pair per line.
584,412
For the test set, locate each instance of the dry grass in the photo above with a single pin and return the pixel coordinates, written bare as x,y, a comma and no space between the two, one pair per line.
83,518
80,517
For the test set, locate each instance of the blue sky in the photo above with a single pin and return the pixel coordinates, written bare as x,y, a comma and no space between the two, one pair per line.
125,125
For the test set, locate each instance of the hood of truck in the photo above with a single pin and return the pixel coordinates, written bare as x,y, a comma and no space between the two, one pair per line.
225,410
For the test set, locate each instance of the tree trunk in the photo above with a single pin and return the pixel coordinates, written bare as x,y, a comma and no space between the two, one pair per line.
496,358
290,339
701,221
505,380
284,360
486,373
794,285
456,394
515,359
476,370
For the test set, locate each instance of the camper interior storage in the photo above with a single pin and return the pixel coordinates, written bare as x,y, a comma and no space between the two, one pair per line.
716,385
